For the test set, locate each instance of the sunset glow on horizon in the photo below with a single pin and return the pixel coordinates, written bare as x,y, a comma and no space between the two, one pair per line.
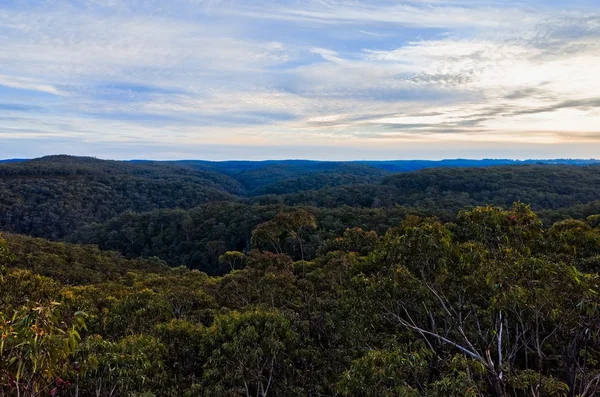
330,80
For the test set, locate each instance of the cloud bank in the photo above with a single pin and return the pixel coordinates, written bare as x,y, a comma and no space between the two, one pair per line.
311,79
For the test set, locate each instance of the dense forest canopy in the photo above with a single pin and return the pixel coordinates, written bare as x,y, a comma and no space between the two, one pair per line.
298,279
492,303
52,196
189,213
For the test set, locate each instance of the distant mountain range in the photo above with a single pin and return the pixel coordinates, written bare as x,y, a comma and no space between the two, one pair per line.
231,167
190,212
235,166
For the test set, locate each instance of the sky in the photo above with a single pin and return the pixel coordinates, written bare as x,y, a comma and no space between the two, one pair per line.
313,79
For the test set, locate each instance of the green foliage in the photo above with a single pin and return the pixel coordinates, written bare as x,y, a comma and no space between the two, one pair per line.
233,259
268,279
184,342
543,385
131,366
195,238
251,353
593,221
74,264
353,240
36,345
491,304
423,246
184,291
574,239
147,209
386,373
351,295
286,225
445,191
52,196
22,288
137,313
6,256
518,227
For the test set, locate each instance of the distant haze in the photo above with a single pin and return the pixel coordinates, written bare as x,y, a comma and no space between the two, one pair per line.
279,79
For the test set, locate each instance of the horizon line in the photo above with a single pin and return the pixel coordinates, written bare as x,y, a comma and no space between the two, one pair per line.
308,160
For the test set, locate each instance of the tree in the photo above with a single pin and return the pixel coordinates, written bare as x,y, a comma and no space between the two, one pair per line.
353,240
131,365
5,255
386,373
268,234
184,290
295,223
285,225
37,345
138,313
406,372
250,353
574,239
593,220
267,279
233,259
185,359
22,288
487,298
494,303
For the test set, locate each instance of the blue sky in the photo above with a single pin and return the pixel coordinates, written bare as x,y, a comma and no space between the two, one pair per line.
318,79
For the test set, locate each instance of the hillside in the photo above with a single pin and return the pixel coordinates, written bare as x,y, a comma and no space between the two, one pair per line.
74,264
289,176
451,189
318,279
412,310
197,237
190,216
53,196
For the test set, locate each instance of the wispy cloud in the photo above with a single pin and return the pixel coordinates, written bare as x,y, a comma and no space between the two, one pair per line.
419,14
28,84
372,73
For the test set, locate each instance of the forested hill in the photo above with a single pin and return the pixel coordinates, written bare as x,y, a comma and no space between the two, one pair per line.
53,196
197,237
301,166
252,178
76,264
149,208
287,176
447,190
278,177
298,279
63,165
491,304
